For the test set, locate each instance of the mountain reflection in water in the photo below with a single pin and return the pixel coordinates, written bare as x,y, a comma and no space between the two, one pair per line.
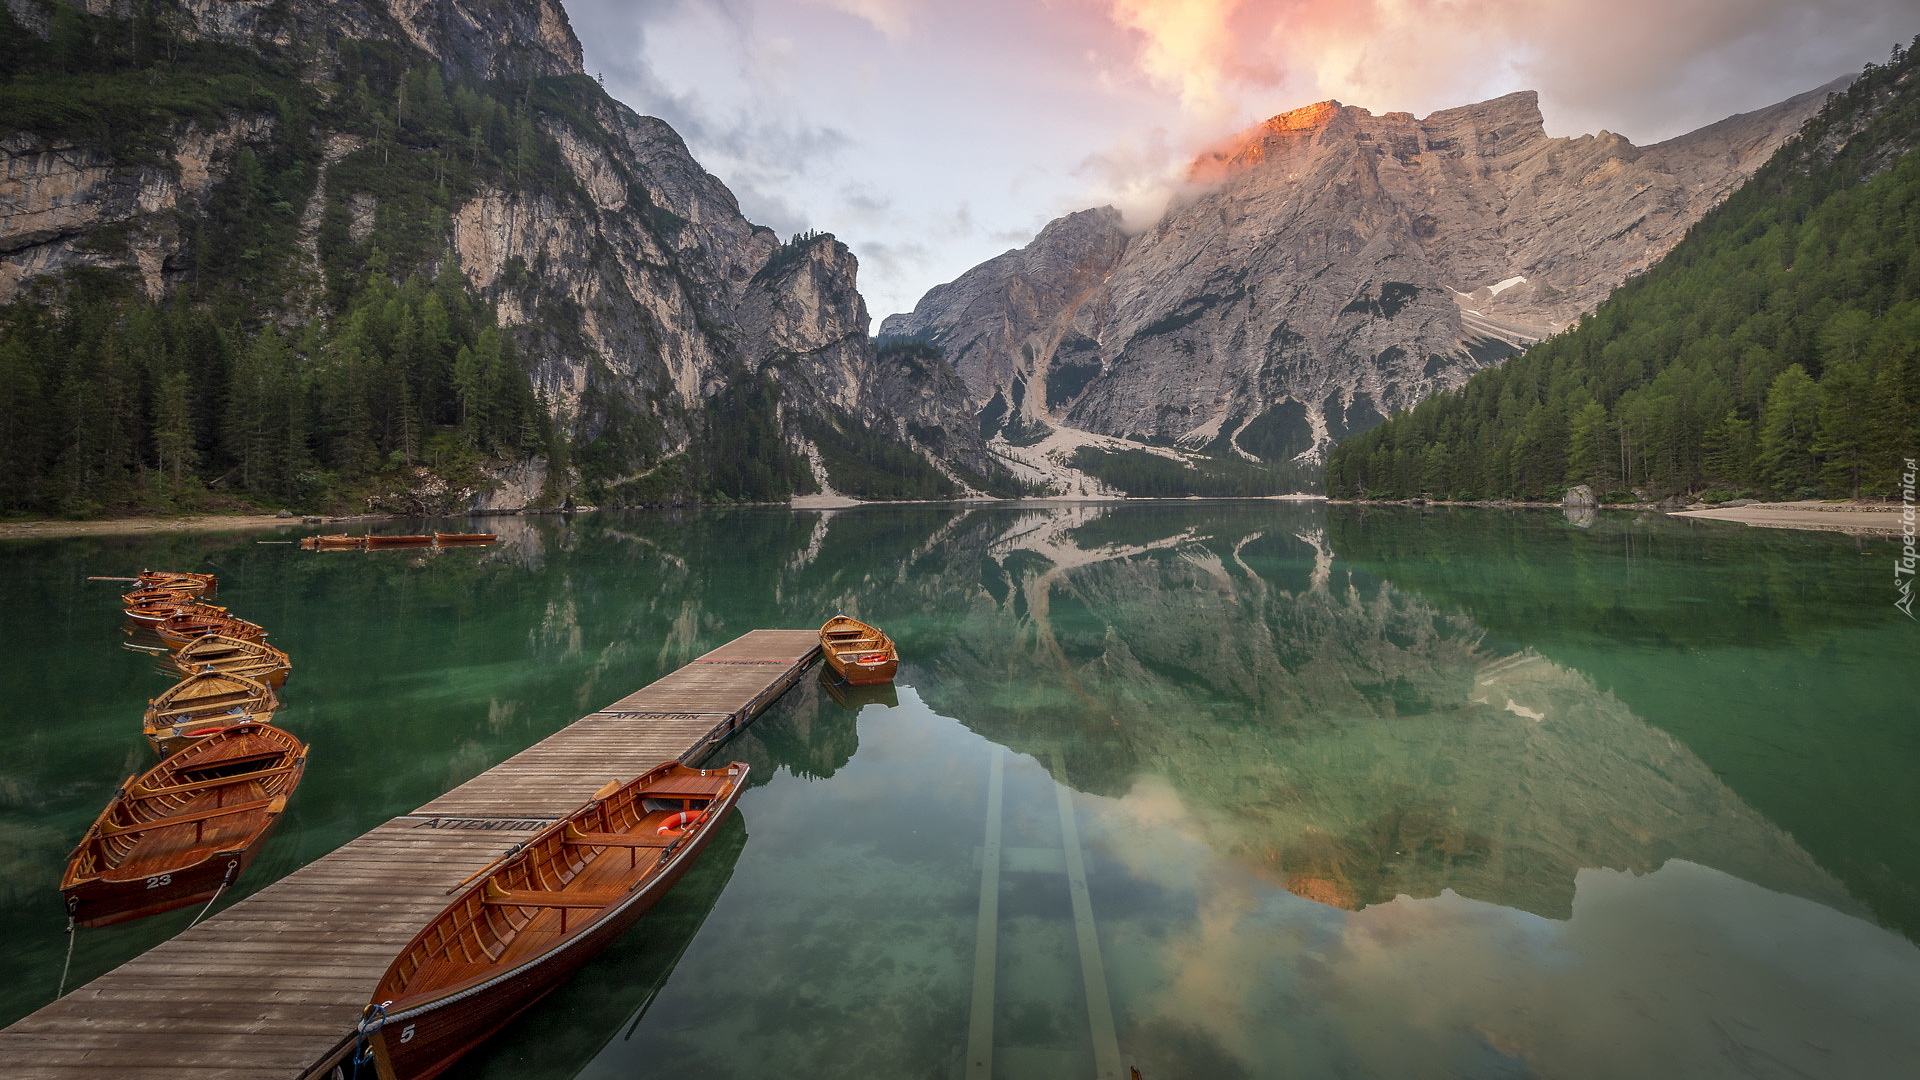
1329,829
1348,739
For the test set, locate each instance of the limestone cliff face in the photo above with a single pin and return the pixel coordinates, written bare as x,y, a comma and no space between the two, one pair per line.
1328,266
995,319
802,316
54,196
635,287
802,319
486,39
646,264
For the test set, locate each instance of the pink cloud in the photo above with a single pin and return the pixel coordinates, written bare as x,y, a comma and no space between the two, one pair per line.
1237,60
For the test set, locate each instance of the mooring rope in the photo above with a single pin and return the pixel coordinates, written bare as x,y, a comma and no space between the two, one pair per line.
372,1019
62,992
232,865
210,900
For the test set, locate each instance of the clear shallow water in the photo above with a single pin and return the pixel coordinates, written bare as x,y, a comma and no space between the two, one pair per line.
1357,792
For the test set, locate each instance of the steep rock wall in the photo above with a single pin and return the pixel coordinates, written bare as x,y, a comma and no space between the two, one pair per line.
1327,267
56,197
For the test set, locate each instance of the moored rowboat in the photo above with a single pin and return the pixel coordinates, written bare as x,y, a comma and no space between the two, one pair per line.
464,538
184,829
332,542
201,704
255,660
186,594
176,631
530,922
153,612
861,655
171,579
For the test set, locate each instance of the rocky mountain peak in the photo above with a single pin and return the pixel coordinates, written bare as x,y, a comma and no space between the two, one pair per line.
1270,139
1330,265
1500,126
1019,297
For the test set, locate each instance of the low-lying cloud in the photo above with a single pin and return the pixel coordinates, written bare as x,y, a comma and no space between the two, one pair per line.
1649,69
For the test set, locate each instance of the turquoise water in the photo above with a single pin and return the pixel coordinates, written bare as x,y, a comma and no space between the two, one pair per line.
1356,792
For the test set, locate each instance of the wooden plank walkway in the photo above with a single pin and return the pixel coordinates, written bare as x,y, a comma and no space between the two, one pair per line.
272,986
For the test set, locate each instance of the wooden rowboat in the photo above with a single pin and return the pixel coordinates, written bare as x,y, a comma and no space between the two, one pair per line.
184,829
255,660
151,612
190,594
531,921
397,541
207,584
180,629
332,542
203,703
196,607
861,655
464,538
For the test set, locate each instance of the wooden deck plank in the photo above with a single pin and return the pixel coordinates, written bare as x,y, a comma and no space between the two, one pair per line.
270,988
166,992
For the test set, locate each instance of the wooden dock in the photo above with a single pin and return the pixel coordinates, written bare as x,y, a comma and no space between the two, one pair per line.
272,986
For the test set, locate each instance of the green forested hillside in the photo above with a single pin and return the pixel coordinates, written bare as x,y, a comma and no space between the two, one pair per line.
232,389
313,359
1775,351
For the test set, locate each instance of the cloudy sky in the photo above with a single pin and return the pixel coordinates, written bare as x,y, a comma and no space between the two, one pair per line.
931,135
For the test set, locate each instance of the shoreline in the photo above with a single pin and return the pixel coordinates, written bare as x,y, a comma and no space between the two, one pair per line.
54,528
1856,519
1874,519
1860,519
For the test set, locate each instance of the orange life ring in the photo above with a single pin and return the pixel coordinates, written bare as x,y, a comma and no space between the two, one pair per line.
677,824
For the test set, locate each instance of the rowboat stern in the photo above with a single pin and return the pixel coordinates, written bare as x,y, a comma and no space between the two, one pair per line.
858,673
105,900
418,1036
171,738
109,878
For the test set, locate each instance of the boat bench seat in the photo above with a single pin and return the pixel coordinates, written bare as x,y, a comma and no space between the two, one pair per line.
271,806
225,703
686,787
141,791
548,899
615,839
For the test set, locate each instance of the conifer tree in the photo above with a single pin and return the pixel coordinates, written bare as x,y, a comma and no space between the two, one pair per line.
1787,429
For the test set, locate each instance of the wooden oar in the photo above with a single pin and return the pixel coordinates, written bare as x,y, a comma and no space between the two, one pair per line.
113,579
606,789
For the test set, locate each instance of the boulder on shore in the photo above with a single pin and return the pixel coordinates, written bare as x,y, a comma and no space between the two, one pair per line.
1579,495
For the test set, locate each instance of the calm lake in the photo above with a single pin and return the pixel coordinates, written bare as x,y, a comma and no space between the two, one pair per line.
1279,790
